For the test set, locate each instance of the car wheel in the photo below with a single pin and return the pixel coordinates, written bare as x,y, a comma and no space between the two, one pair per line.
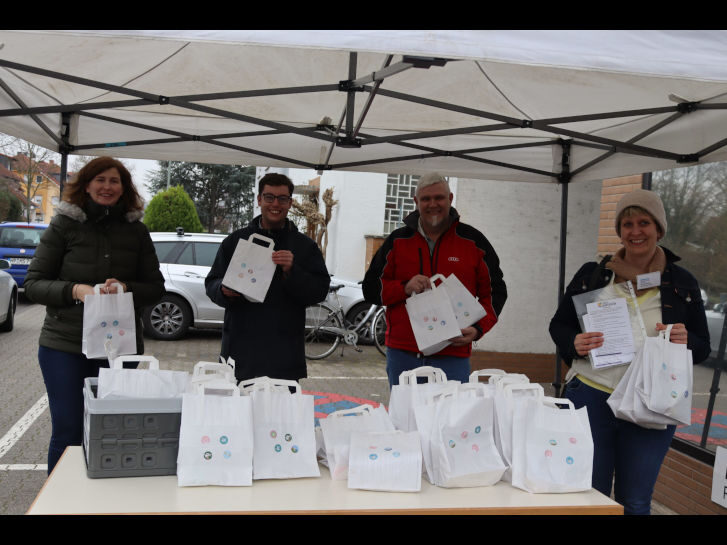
169,319
9,322
354,317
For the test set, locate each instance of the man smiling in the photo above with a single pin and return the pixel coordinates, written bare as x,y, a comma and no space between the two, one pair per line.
267,339
432,241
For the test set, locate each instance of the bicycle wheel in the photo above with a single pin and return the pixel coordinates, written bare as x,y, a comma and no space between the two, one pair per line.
378,330
320,341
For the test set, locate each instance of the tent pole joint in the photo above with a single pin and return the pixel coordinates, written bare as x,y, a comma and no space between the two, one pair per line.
687,107
348,86
348,142
163,100
526,123
688,158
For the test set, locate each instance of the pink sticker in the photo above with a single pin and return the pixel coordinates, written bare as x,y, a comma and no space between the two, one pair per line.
463,435
548,453
205,439
572,440
122,332
475,448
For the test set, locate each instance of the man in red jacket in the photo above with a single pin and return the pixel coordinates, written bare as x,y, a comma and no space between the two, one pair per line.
432,241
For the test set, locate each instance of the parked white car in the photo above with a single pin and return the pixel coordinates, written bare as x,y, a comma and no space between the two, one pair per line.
715,322
185,260
8,297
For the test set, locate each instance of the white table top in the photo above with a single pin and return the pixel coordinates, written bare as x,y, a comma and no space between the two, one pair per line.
69,491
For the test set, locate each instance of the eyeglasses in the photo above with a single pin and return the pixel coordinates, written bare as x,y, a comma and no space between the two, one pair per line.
282,199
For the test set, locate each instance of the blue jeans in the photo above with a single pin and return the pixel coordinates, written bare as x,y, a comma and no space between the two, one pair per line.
63,374
398,361
634,454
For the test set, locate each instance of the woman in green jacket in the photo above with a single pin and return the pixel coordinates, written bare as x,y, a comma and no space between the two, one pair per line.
95,238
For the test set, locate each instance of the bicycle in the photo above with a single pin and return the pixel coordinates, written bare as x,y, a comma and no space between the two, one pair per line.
324,328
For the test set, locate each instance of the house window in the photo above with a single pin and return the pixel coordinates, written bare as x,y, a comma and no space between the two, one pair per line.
38,199
54,201
400,189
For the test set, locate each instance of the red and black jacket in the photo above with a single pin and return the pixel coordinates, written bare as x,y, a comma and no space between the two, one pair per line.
461,250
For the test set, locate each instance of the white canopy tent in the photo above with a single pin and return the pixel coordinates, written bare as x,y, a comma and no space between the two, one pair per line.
536,106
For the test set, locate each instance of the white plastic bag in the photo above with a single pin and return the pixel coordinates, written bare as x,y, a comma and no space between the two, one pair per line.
115,382
552,447
215,438
336,430
385,461
251,268
408,392
457,435
109,324
285,442
432,319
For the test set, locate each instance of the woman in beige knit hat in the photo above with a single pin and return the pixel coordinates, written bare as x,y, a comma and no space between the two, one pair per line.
630,453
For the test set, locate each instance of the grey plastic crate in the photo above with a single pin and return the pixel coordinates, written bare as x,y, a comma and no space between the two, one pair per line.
129,437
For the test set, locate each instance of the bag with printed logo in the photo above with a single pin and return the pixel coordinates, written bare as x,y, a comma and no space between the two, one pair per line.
336,430
215,436
432,319
109,324
284,433
251,268
552,448
385,461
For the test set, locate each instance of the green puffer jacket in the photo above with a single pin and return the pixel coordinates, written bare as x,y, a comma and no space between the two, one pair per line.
87,247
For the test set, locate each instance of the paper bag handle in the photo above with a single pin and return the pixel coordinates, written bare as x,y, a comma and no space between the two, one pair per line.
508,388
201,368
216,385
665,334
119,289
361,409
118,362
434,374
267,383
270,241
436,277
475,375
509,378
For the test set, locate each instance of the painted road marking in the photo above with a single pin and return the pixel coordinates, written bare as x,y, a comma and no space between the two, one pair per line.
20,427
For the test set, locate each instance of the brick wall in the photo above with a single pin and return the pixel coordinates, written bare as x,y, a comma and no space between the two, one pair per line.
685,486
611,192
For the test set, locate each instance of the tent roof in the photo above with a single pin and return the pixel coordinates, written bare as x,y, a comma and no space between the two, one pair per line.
500,105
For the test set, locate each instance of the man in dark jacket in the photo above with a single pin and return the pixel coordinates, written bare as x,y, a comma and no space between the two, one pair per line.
267,339
432,241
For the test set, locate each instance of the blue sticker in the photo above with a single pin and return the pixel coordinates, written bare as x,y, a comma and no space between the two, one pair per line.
451,443
478,429
103,324
224,439
569,460
278,448
387,449
396,454
227,454
294,448
553,442
109,335
373,456
116,322
253,280
243,265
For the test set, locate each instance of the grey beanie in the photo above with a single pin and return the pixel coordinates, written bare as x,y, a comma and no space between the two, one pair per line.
649,201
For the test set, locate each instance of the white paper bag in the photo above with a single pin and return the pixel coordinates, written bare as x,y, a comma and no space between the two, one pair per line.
668,378
385,461
285,441
432,319
215,439
508,395
336,430
552,447
408,392
467,309
458,445
109,324
115,382
251,268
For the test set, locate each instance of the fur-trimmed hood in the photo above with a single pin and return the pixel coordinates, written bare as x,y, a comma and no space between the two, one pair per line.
75,212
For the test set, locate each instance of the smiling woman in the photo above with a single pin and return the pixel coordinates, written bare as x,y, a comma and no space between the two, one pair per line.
631,454
95,238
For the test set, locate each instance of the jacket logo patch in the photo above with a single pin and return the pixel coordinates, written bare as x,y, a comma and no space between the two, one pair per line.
453,258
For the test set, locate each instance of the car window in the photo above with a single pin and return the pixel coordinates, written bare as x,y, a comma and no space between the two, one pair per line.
19,237
205,253
187,255
166,251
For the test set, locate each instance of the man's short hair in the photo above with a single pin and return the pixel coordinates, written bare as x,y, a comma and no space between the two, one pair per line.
275,179
432,178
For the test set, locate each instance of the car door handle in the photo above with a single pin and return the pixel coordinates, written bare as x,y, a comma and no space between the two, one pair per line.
192,274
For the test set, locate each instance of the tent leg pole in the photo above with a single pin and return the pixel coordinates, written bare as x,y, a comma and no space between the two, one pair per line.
564,180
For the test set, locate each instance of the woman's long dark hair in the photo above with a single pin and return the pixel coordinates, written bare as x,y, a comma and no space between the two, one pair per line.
75,191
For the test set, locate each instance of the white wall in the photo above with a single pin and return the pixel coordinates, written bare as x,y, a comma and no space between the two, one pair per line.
360,211
522,222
